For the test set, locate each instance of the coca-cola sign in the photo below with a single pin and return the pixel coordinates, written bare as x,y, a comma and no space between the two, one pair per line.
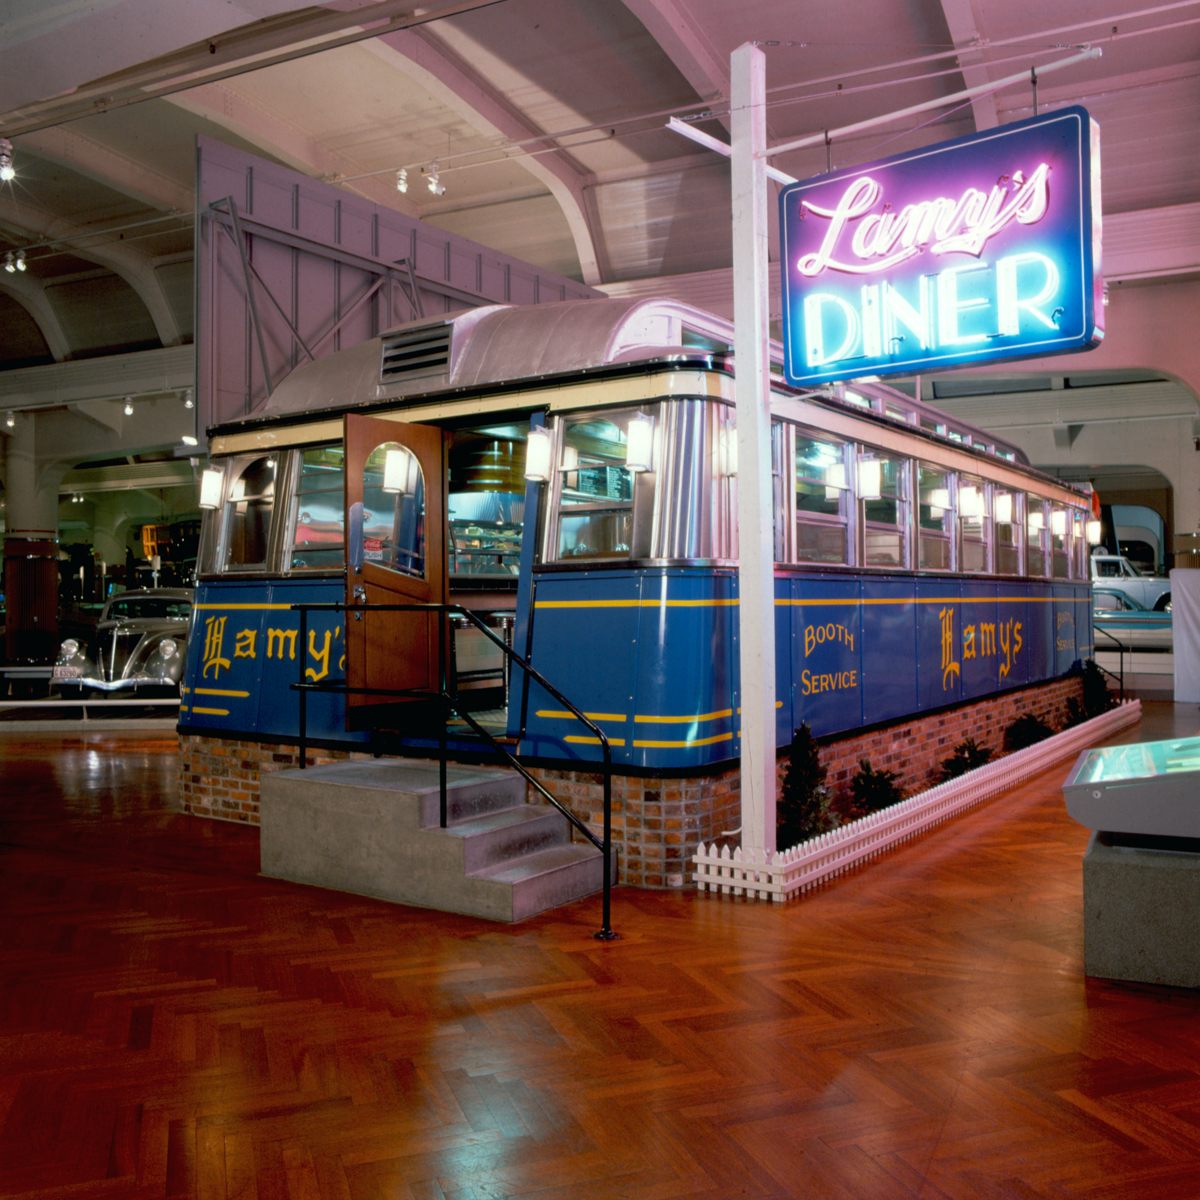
986,247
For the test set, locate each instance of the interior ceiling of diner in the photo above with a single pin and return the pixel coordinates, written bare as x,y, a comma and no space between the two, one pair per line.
546,119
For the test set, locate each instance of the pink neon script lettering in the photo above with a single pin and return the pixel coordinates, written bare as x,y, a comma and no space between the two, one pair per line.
878,239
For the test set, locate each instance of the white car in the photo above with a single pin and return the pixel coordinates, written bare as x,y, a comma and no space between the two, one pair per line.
1115,571
137,650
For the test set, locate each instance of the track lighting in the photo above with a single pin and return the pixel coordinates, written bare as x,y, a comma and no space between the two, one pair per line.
434,182
9,263
7,171
188,402
129,406
402,180
10,419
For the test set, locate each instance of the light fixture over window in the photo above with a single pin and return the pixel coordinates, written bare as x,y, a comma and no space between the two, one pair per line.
870,479
835,480
538,446
7,171
639,443
212,484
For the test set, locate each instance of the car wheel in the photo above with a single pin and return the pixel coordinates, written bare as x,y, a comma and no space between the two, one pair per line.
1164,604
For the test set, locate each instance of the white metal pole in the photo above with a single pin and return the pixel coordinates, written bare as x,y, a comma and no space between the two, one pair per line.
752,395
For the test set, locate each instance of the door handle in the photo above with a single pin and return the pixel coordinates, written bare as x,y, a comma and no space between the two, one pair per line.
360,597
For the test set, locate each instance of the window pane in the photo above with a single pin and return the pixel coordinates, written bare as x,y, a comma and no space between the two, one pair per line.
885,525
318,541
596,496
393,532
487,500
248,514
935,518
973,524
823,543
1038,533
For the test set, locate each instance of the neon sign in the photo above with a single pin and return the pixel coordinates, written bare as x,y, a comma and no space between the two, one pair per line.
983,248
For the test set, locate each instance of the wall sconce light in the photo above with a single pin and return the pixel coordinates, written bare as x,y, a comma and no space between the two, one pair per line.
1003,508
212,484
1092,532
835,480
1058,522
538,446
7,171
870,479
639,443
970,502
401,472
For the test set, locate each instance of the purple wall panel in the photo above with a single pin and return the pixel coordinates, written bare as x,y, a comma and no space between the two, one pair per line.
319,250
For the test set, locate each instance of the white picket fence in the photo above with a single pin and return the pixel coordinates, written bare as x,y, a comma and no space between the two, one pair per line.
785,873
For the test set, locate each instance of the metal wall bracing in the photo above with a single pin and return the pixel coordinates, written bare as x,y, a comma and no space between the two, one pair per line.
288,268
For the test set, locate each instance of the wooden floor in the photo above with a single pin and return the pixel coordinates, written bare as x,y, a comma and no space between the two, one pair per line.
171,1025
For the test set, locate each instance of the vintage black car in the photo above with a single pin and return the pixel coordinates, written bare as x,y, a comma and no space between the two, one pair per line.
137,649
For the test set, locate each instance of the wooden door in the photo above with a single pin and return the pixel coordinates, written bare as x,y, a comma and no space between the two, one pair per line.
396,532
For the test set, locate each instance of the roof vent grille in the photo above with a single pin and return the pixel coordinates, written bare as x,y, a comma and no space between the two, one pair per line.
415,353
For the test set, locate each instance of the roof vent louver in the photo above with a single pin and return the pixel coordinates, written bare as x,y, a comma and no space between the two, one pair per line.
416,353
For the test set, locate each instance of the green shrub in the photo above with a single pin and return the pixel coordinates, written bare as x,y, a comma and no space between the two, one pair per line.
1097,698
966,757
1026,730
804,809
871,790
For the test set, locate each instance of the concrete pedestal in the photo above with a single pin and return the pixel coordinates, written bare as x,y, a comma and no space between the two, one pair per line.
1141,907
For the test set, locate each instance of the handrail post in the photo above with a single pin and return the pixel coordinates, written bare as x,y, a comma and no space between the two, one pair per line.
443,620
606,933
303,738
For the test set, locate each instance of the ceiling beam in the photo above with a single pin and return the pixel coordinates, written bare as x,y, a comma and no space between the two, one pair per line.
963,24
120,258
449,79
29,293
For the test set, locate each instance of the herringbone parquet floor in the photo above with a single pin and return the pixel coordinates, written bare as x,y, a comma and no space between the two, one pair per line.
173,1026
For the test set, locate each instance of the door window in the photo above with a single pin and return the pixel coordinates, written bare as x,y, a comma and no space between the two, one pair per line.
393,516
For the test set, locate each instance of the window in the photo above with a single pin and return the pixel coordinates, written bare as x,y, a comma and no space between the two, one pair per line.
597,491
1006,514
249,504
822,500
1037,557
883,504
1060,542
973,524
935,518
487,501
393,516
317,541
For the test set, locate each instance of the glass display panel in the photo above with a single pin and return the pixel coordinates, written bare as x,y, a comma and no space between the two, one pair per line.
393,532
318,542
248,509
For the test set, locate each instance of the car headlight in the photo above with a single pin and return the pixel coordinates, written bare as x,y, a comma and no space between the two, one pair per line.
168,648
69,648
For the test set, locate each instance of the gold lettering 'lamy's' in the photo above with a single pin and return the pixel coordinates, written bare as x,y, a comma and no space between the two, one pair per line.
865,237
950,667
214,638
320,654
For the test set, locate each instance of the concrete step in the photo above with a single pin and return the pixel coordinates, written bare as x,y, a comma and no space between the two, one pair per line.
371,828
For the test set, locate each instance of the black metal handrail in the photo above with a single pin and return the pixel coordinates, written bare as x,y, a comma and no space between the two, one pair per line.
1121,648
453,702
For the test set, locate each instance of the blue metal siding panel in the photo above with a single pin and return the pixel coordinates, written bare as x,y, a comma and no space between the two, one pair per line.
825,639
889,646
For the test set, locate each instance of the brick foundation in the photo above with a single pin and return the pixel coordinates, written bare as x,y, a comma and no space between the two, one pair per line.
658,823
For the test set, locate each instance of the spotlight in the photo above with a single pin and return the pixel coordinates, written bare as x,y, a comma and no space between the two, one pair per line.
402,180
188,402
129,406
435,184
188,440
9,265
7,171
20,260
10,419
